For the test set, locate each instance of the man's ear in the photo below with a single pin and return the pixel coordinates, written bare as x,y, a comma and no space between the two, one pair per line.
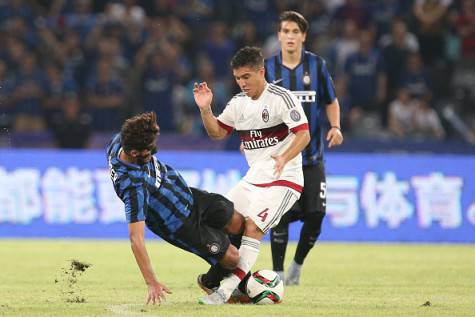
262,71
133,153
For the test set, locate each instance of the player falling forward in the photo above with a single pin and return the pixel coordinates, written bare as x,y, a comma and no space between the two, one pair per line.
273,129
157,196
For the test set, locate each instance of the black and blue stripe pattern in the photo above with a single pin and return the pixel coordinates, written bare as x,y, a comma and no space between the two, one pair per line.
312,67
154,192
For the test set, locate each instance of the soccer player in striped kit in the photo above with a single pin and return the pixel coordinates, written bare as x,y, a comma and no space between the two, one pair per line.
273,130
305,74
155,195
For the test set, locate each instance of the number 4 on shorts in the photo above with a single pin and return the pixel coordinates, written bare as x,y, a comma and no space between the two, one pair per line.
263,214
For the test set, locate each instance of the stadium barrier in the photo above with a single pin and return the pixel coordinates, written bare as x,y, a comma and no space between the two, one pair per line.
377,197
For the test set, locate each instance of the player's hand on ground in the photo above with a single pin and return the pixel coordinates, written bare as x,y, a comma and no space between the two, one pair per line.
156,293
279,165
203,95
334,137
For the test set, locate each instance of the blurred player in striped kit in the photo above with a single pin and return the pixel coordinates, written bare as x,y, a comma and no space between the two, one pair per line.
306,75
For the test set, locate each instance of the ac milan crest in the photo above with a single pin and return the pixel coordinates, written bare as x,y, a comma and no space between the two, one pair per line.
265,115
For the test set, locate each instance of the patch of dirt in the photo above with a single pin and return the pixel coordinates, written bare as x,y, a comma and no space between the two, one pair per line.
69,281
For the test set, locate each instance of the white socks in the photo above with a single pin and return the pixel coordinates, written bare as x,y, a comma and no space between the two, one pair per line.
248,253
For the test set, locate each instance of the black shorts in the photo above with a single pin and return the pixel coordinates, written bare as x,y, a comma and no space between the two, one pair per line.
314,194
203,231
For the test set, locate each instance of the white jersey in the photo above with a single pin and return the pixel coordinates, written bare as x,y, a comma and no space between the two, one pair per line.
266,127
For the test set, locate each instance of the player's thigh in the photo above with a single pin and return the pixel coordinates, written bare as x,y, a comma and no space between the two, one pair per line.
314,195
240,195
207,242
269,204
215,210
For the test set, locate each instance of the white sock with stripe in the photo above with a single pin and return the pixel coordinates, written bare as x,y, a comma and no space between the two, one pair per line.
248,253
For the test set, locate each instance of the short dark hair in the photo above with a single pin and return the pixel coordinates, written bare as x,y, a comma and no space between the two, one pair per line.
248,56
139,132
296,17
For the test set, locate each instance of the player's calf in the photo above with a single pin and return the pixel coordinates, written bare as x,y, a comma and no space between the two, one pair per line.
230,259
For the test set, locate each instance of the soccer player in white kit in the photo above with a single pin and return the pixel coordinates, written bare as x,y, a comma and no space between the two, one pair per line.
273,129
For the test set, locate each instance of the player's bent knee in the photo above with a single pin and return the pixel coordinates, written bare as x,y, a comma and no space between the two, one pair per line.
230,259
236,224
252,230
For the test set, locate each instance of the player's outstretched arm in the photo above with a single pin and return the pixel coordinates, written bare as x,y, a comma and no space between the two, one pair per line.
203,98
156,290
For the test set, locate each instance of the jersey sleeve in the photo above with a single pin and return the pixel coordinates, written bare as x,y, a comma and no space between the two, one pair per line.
135,200
226,118
327,90
293,114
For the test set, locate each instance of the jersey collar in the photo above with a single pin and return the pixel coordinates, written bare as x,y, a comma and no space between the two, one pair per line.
302,55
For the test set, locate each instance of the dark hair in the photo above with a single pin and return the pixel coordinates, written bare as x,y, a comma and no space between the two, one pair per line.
139,132
296,17
248,56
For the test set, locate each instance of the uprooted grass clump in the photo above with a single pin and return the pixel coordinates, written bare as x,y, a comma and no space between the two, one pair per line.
69,281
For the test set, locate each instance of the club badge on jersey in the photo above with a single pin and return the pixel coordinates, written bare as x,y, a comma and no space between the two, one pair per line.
265,115
306,79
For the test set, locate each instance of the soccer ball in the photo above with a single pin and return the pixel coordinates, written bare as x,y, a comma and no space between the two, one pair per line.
265,287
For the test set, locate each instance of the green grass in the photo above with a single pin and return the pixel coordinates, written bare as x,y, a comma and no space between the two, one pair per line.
338,280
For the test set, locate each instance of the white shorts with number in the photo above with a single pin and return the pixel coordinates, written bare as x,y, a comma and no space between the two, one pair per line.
264,205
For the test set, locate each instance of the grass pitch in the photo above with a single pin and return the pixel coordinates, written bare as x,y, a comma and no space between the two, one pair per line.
338,280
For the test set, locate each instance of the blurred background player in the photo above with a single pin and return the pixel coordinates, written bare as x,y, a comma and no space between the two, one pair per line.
273,129
300,70
156,195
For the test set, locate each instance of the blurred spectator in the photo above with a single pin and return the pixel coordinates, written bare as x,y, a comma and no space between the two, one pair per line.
81,18
355,10
196,13
14,53
71,126
56,87
18,27
162,8
191,122
263,14
318,35
383,12
466,28
158,83
105,95
28,90
343,47
15,8
426,122
366,76
431,17
415,77
219,48
395,47
401,113
6,88
246,35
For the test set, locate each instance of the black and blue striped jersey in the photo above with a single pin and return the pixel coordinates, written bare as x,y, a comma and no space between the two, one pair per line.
311,75
153,192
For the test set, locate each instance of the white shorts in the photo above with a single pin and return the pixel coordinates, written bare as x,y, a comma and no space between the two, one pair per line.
264,205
